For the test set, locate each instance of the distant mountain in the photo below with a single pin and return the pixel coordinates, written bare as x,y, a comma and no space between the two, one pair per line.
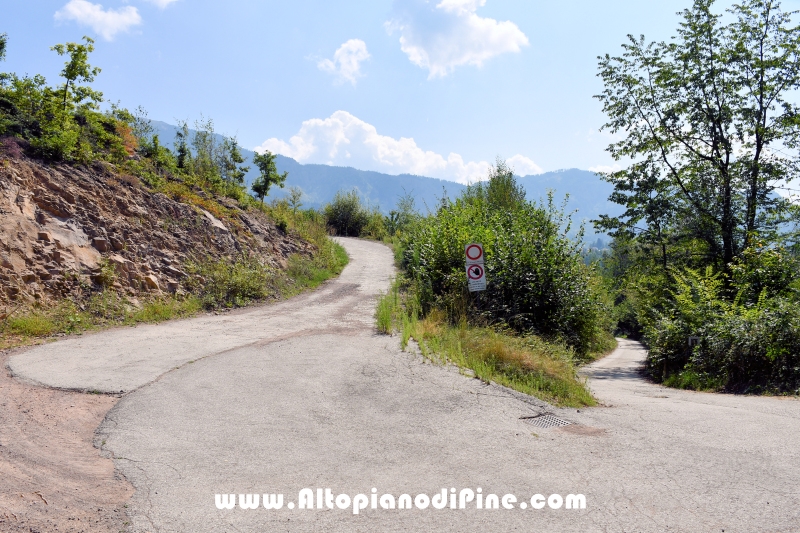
321,182
588,194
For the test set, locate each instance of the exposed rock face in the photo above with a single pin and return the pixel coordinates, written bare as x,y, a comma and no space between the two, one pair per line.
59,224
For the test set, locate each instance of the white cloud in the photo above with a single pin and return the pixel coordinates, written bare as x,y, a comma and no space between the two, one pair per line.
606,168
346,64
523,166
162,3
107,23
450,34
345,140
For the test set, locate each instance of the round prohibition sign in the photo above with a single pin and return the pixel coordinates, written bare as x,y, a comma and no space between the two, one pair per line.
475,272
474,252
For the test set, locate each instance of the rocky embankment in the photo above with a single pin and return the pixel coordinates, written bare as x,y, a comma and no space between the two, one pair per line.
64,229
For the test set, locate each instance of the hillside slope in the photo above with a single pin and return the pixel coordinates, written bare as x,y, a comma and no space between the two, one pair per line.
68,230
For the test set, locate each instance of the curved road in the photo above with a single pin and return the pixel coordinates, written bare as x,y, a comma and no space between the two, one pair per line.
305,394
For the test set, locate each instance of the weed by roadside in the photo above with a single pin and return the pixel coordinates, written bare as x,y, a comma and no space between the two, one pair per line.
217,284
104,309
526,363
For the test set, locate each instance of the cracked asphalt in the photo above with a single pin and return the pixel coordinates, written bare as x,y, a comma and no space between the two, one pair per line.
305,394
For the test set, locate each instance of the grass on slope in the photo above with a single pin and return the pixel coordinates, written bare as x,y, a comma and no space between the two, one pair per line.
213,285
528,364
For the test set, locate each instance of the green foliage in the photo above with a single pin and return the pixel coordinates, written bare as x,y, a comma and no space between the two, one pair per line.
346,215
705,247
537,281
229,161
159,156
709,122
741,349
349,217
526,363
205,162
64,123
388,306
375,228
761,270
403,217
33,325
183,154
268,174
324,265
106,308
749,343
107,274
295,198
164,308
503,192
231,283
76,69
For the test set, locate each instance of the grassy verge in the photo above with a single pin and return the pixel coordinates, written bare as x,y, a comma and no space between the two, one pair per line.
236,283
225,284
529,364
105,309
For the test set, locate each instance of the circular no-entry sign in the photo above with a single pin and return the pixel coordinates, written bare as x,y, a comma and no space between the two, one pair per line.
474,252
475,272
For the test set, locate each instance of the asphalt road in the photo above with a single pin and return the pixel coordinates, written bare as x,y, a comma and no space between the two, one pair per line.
305,394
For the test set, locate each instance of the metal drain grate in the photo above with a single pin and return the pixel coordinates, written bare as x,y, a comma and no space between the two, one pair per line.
545,421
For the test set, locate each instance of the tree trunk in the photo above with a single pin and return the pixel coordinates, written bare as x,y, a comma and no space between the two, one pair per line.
728,224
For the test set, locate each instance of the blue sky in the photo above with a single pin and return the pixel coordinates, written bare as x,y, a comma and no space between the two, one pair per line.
436,88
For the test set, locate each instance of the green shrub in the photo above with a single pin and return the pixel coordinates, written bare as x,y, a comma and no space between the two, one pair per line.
231,283
537,282
375,228
346,215
745,345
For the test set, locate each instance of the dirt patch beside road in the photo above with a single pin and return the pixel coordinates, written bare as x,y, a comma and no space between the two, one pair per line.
52,478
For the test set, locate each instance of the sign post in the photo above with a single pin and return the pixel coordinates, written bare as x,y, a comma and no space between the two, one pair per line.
476,274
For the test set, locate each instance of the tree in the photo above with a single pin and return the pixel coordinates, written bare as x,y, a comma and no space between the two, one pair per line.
346,214
708,124
3,43
647,198
269,174
503,192
230,162
142,126
78,69
184,155
400,218
295,198
205,158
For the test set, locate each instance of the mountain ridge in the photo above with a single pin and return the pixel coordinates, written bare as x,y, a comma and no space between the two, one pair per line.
587,192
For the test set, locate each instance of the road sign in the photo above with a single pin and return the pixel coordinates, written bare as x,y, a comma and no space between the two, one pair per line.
474,253
476,278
